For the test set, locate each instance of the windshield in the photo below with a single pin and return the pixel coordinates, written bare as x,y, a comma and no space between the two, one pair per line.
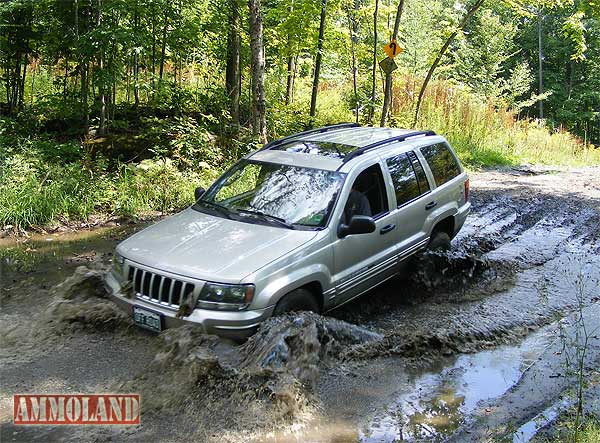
275,192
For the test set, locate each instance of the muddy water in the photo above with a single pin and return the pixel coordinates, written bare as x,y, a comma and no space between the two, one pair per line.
414,359
437,404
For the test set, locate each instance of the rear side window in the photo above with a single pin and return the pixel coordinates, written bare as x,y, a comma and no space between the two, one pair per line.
408,177
442,163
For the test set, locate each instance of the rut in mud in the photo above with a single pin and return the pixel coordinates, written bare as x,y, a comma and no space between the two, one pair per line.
512,269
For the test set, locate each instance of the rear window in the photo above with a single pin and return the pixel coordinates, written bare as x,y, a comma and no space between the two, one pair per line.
442,163
408,177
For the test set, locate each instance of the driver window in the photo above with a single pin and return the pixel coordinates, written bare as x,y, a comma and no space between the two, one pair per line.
368,195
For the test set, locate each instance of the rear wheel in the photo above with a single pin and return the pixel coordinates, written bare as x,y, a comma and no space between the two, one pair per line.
297,300
440,241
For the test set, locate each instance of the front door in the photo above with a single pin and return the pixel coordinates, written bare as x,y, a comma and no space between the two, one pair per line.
363,260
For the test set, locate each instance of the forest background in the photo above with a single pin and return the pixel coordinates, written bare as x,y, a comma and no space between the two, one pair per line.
112,108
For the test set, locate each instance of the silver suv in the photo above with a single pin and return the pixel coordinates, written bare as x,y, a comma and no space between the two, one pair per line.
308,222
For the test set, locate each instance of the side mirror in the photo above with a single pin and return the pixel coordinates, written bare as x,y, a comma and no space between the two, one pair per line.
199,192
359,224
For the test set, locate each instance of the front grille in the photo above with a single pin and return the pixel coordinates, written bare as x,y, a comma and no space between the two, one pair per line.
159,289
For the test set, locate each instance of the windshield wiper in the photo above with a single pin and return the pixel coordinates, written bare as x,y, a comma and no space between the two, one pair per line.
268,217
219,208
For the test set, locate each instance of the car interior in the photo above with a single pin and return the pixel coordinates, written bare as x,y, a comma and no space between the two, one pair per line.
370,183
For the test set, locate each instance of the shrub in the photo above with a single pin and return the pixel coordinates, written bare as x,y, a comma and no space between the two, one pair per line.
156,185
34,193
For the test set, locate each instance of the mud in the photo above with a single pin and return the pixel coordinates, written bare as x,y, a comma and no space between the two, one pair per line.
526,257
82,301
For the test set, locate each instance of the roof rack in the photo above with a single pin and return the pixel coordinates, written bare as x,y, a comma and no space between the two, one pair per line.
278,142
399,138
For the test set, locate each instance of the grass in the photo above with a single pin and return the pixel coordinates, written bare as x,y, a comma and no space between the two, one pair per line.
33,194
482,133
589,432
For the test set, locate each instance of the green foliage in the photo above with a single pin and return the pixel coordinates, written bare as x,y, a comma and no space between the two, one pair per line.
154,185
31,196
120,107
34,191
333,107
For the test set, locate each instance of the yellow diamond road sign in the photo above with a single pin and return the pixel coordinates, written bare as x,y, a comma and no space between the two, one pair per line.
392,49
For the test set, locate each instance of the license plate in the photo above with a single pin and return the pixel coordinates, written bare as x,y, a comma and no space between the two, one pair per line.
147,319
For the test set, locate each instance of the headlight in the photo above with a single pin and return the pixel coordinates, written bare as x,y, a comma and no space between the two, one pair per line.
225,297
118,261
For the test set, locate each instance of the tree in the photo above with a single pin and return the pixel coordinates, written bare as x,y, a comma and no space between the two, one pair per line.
387,96
353,31
318,59
259,121
474,7
16,19
233,72
374,68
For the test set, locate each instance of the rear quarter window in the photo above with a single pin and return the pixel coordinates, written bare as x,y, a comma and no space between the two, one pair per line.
442,162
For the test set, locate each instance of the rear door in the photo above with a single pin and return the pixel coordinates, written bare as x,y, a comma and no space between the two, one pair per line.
412,189
445,170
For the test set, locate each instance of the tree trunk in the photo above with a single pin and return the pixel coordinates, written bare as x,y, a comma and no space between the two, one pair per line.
387,95
232,73
163,50
291,72
101,86
153,46
294,77
540,63
136,64
259,121
353,28
443,50
83,67
374,73
317,72
291,68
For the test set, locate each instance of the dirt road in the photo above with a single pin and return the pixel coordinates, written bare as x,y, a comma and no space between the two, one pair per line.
468,346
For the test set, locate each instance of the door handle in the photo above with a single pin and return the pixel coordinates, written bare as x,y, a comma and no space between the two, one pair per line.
387,229
430,205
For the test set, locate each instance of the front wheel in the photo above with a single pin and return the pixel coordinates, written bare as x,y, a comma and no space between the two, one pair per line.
297,300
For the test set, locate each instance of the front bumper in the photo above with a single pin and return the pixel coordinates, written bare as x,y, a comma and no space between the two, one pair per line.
232,324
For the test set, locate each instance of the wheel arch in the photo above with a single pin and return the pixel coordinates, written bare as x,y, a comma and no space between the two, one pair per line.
445,224
314,278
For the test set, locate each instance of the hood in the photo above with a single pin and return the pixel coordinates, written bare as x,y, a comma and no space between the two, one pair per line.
198,245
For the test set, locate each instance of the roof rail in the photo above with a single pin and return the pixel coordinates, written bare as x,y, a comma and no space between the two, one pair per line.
399,138
278,142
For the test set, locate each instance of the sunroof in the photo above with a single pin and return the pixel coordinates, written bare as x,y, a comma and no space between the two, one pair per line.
324,149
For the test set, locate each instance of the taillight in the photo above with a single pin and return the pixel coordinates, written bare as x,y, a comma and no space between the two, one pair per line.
467,189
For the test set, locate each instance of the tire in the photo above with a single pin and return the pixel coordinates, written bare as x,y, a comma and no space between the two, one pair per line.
297,300
440,241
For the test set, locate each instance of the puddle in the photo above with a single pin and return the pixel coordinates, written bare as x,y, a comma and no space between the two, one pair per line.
528,430
437,404
50,258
